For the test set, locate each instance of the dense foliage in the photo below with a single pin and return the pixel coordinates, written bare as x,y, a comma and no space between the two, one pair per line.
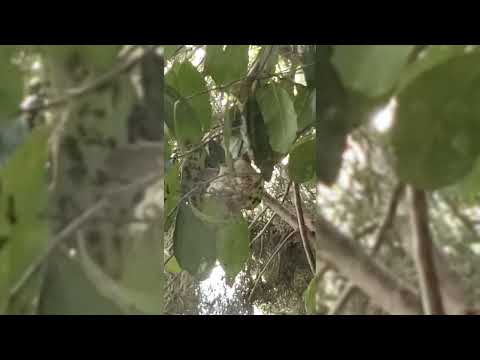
292,175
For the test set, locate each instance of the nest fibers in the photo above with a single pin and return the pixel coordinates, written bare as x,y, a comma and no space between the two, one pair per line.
241,190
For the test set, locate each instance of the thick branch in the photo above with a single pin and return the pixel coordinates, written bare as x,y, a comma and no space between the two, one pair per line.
385,289
382,286
454,299
380,238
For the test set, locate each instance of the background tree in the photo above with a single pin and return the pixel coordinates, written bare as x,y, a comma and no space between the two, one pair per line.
82,187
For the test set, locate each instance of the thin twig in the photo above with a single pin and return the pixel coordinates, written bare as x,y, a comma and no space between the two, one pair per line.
277,250
223,87
271,219
195,188
99,82
301,227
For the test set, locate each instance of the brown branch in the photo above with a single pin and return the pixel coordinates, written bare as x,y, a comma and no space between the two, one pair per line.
270,220
424,256
340,252
301,226
380,238
343,254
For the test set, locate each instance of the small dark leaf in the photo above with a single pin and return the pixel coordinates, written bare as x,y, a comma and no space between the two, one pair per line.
301,165
258,138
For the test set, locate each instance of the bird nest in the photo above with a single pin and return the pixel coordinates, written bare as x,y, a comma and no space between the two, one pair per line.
241,189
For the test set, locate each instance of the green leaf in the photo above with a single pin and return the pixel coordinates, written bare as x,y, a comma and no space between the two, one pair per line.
279,116
172,266
435,137
259,139
305,106
233,246
434,55
101,57
301,164
23,201
371,69
309,297
468,188
67,291
25,301
194,243
226,66
189,83
188,130
4,269
143,272
170,50
97,57
11,85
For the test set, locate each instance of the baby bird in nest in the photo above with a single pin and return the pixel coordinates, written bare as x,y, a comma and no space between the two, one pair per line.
241,190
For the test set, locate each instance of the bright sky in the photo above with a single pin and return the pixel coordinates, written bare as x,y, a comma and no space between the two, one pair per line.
215,284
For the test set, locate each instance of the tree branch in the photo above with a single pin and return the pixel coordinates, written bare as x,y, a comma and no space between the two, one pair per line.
91,86
380,238
424,257
301,226
451,283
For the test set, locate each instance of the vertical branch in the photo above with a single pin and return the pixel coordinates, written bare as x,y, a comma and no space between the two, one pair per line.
301,227
423,252
227,134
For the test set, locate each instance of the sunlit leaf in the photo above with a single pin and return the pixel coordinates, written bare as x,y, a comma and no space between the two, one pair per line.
194,243
172,266
226,66
233,246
